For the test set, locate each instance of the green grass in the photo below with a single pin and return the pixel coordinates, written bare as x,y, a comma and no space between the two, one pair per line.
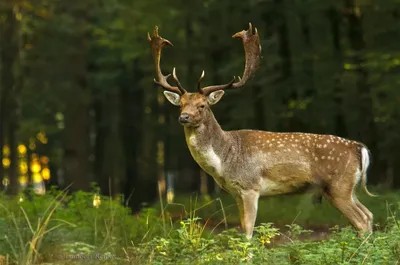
59,228
280,210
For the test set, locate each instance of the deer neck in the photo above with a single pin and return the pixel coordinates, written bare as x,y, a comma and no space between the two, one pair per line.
205,143
209,133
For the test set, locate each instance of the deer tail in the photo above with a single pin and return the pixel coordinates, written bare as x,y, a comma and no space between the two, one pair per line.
365,161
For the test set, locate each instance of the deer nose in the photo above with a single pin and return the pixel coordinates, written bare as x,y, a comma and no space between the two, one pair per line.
184,118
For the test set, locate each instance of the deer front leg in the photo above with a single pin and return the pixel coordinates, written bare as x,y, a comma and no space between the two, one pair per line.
239,203
250,206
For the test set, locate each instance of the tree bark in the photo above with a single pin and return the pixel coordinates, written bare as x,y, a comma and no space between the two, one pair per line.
76,134
366,127
112,165
335,19
9,102
131,122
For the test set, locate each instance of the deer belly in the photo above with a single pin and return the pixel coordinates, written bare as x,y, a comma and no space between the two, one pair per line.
270,187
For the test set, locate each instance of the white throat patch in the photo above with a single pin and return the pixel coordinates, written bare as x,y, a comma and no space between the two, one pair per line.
205,156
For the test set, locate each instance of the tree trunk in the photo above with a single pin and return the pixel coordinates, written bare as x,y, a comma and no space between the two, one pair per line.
365,120
9,107
113,166
337,54
99,146
131,124
76,133
283,40
259,115
162,184
308,61
285,56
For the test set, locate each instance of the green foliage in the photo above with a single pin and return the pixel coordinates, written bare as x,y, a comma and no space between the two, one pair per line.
283,210
343,247
60,223
63,229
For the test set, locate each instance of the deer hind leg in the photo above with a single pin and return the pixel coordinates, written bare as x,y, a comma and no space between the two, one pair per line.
367,213
345,203
250,206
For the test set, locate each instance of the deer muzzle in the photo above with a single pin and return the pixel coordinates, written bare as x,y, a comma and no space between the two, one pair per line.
184,118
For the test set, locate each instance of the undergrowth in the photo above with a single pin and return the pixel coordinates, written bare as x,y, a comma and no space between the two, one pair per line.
59,228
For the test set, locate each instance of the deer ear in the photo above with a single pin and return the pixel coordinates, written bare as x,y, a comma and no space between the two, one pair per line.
215,96
173,98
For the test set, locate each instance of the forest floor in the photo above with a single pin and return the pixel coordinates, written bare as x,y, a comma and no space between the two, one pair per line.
62,229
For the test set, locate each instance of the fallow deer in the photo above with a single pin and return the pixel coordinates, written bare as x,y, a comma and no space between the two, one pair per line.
250,163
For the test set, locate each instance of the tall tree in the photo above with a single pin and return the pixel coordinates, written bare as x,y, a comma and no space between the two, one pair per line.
365,118
337,51
76,141
9,108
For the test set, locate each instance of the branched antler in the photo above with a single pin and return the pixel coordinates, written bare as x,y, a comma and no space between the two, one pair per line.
157,44
252,50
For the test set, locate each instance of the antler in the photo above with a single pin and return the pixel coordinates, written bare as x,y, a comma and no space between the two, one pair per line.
252,50
157,44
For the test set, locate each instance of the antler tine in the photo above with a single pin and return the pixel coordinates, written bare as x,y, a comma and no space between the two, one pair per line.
252,50
157,44
177,81
209,89
199,82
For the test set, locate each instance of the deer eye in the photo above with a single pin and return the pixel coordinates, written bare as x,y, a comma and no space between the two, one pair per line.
202,106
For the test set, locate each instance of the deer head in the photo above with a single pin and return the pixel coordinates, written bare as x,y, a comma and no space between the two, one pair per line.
195,107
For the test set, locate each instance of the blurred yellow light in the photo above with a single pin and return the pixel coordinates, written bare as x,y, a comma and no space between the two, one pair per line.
32,146
46,173
41,136
170,196
37,178
21,199
22,149
23,167
23,180
6,162
6,150
96,200
44,160
35,167
6,182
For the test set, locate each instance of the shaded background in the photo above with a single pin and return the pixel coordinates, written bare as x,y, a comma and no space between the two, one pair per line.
78,104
